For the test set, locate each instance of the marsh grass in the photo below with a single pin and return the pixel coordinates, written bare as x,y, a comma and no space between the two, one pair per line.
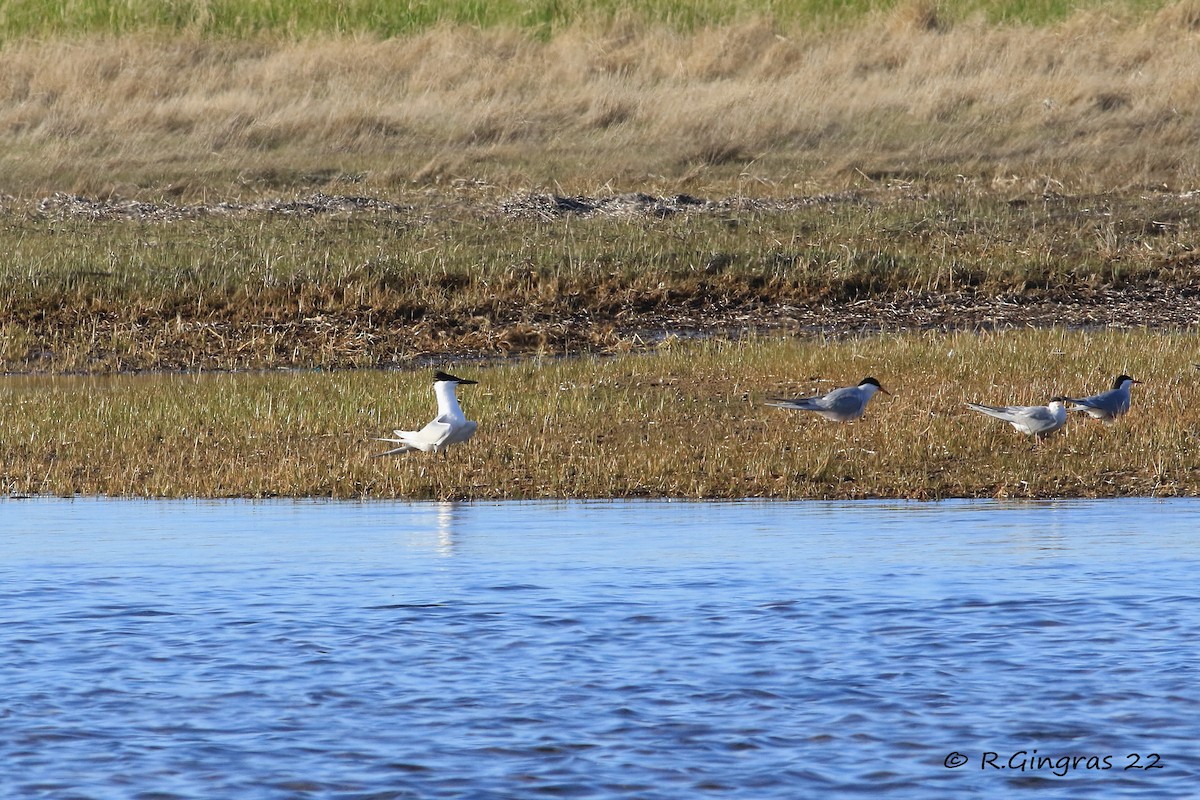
261,289
862,157
686,421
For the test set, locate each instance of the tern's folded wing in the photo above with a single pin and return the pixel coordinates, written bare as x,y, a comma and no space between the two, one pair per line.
1040,415
999,412
432,435
843,401
804,403
461,432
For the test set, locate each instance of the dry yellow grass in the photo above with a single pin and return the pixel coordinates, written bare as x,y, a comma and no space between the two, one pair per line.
686,421
1093,102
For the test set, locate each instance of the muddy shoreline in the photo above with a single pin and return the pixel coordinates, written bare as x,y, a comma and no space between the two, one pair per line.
82,320
342,342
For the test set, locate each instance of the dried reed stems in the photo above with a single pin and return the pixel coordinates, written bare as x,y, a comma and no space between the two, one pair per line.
1089,101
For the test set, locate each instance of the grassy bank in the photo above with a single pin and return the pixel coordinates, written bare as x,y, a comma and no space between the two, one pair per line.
188,188
111,286
686,421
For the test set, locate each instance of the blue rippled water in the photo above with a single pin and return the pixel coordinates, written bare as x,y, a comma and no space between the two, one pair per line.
598,650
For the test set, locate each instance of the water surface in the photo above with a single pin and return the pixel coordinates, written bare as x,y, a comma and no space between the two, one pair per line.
598,650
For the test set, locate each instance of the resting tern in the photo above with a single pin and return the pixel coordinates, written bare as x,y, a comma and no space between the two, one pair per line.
841,405
450,426
1107,406
1039,421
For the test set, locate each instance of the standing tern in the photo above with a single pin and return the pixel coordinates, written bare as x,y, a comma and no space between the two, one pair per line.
1039,421
450,426
1107,406
841,405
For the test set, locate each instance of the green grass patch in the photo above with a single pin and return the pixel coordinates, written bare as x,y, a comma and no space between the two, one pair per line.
296,18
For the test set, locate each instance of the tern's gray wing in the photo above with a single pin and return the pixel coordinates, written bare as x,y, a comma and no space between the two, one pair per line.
1007,413
1044,420
1039,416
461,432
848,400
841,401
803,403
1112,402
1032,420
1097,400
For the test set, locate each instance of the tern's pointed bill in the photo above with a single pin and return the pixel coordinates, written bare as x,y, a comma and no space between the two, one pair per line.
450,426
1107,406
1039,421
841,405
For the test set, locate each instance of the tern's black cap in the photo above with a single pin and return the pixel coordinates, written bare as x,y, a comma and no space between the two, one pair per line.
440,376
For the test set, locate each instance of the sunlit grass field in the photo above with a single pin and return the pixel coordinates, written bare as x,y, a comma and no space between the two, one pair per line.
688,421
817,164
216,100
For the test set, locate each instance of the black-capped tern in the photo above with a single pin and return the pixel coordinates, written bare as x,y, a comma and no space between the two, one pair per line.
841,405
1039,421
1107,406
450,426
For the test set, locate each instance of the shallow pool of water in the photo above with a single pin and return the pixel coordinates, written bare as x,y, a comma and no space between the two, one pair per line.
598,650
